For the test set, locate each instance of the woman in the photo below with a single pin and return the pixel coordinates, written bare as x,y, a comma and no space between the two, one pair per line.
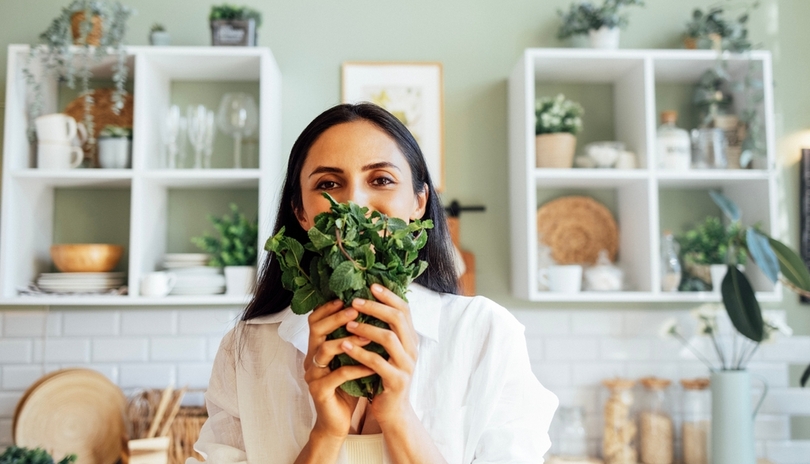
458,383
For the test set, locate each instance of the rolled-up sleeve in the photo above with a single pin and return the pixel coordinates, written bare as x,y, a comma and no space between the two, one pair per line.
221,439
516,431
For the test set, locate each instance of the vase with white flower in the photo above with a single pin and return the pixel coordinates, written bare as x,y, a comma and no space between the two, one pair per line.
732,422
558,121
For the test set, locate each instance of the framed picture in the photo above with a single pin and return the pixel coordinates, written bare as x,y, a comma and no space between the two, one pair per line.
410,91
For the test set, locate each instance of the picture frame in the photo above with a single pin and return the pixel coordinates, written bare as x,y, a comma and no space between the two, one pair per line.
411,91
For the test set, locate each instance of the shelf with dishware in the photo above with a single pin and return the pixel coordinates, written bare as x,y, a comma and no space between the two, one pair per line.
623,93
223,102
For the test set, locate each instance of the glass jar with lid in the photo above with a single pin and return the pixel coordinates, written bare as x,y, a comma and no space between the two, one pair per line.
697,416
571,439
656,434
619,435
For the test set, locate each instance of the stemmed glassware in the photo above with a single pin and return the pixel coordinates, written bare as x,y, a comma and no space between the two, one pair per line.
196,116
239,117
170,137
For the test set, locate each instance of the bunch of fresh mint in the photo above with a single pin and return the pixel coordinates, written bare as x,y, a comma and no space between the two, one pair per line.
351,250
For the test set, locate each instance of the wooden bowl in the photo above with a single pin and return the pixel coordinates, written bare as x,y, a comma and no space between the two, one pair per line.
86,257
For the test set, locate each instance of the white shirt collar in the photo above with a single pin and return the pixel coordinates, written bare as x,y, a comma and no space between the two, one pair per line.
425,307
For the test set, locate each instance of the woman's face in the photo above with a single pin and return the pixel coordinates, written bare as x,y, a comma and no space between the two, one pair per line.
356,161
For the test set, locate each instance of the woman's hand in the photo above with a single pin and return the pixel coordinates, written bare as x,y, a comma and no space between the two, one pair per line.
392,406
333,406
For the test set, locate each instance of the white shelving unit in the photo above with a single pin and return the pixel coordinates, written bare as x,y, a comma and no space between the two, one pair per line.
28,193
633,76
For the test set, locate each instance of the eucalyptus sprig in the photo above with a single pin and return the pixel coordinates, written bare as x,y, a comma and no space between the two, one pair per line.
350,249
19,455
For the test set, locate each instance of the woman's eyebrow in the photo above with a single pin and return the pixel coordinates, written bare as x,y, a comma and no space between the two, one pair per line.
323,169
380,165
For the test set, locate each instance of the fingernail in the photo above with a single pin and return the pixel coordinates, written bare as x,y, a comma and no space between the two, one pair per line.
352,324
351,313
376,288
347,346
359,301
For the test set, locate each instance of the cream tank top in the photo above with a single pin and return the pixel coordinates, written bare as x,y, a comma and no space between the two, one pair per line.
364,449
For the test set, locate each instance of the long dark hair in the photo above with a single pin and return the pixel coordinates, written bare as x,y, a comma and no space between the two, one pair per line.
270,297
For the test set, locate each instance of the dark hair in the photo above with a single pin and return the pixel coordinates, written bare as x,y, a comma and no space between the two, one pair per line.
270,297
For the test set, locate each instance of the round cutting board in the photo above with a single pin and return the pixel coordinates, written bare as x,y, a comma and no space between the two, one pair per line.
73,411
576,228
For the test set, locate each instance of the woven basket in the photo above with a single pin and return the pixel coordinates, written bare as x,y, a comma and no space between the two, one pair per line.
184,432
577,228
555,150
93,37
103,115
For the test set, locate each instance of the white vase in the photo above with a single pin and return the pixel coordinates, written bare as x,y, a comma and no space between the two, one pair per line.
114,152
160,38
239,280
732,437
605,38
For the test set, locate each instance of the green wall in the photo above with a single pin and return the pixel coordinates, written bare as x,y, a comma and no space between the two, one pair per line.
478,43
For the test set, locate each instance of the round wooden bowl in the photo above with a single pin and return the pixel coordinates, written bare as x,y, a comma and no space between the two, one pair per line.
86,257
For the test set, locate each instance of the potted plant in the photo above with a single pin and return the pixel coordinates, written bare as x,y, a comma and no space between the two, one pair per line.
115,147
95,27
712,29
235,249
602,24
706,252
732,425
158,35
558,120
18,455
233,25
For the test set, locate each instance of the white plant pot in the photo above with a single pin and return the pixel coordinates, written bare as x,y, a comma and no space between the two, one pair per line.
605,38
114,152
160,38
718,273
239,280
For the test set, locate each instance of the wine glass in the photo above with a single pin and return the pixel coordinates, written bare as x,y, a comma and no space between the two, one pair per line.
170,134
238,117
196,116
210,133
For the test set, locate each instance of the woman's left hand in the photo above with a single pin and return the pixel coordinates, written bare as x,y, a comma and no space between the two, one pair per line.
401,341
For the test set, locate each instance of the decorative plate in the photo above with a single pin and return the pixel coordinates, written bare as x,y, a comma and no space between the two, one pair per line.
576,228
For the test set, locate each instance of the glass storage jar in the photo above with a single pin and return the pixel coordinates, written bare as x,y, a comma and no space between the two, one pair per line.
656,435
571,440
697,415
619,435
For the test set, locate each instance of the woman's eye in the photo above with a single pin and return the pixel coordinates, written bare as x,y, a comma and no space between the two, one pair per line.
326,185
382,181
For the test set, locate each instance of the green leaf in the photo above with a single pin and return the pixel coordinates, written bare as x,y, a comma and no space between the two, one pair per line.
763,254
305,299
342,277
319,239
791,265
742,305
729,208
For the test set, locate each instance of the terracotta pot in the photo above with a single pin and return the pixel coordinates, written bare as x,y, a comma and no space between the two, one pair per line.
93,37
690,43
555,150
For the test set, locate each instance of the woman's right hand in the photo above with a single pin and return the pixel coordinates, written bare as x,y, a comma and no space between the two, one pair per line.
333,406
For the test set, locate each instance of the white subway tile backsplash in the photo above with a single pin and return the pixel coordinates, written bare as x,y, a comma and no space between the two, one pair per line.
177,349
553,374
31,324
213,347
62,350
596,323
591,374
788,452
108,370
5,433
544,322
194,375
665,349
795,401
767,427
664,370
794,349
99,322
776,374
571,348
146,375
624,349
149,322
648,323
692,370
534,345
587,398
15,351
205,322
8,402
120,349
21,377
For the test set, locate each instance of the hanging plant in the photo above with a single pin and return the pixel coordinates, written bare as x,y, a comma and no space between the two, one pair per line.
85,30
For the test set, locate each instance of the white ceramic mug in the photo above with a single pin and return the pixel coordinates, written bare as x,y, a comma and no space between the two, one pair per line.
157,283
58,128
114,153
563,279
58,156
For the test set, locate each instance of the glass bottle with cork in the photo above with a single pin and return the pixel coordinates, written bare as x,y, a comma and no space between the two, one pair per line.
674,145
670,264
656,434
697,416
619,437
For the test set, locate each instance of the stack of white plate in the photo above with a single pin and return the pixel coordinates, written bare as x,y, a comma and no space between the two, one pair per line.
198,280
80,282
183,260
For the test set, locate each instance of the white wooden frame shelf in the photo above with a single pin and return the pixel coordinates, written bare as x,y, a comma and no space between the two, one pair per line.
633,75
28,193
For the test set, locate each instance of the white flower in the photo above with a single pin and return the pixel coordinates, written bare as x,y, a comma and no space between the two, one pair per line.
773,326
706,316
669,328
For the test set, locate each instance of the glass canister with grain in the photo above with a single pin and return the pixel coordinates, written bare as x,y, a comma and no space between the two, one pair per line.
619,438
697,416
656,434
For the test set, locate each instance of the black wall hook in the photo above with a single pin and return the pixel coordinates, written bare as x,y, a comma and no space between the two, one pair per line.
455,209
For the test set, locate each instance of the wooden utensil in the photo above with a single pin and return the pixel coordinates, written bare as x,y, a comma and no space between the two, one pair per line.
165,397
164,431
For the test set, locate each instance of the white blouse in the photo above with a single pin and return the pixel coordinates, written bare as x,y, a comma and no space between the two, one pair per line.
472,387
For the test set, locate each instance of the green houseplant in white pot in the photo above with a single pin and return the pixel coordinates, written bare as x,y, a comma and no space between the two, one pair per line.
115,147
234,25
732,422
706,251
235,249
602,24
558,121
159,36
